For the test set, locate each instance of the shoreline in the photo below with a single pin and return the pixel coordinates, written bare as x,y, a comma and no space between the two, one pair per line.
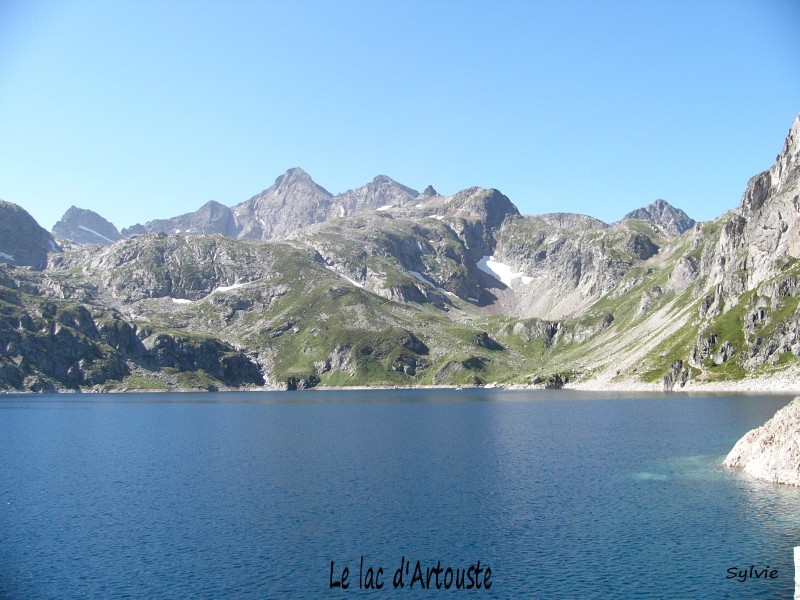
780,383
784,383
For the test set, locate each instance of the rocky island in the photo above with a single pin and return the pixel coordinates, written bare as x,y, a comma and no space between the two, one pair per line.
771,452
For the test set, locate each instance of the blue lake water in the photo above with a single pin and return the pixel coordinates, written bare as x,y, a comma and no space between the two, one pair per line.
252,495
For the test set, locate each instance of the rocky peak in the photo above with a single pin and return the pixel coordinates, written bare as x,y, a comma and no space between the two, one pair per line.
429,192
292,202
490,206
382,191
475,214
293,180
780,177
765,229
23,242
86,227
672,220
787,164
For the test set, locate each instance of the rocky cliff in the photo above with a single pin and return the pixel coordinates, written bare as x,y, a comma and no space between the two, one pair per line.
51,343
771,452
745,278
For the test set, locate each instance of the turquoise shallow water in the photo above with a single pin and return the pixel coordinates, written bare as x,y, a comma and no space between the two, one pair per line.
252,495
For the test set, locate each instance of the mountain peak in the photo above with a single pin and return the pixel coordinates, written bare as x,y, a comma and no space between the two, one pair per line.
429,191
382,191
782,174
296,178
294,173
662,213
85,227
787,163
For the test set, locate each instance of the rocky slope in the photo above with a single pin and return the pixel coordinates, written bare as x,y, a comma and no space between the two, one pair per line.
771,452
51,343
85,227
23,242
739,276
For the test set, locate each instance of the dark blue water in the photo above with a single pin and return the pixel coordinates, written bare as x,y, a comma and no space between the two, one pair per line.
562,495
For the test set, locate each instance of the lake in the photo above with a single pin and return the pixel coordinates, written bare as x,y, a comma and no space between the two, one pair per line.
557,494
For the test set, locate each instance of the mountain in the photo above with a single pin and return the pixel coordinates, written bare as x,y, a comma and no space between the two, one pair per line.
210,218
568,262
672,220
23,241
294,201
381,193
82,226
420,289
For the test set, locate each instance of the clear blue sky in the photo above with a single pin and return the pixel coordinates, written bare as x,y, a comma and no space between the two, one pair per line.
143,109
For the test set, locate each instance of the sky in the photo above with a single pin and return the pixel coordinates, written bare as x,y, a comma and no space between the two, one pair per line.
141,109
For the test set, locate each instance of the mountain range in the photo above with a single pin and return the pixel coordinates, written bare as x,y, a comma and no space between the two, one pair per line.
382,285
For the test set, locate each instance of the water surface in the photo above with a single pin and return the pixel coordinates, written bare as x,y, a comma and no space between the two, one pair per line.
252,495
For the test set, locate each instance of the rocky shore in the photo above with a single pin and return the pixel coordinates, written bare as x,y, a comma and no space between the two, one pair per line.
771,452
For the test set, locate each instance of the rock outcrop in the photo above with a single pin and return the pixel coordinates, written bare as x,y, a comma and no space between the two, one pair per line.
23,242
85,227
50,345
771,452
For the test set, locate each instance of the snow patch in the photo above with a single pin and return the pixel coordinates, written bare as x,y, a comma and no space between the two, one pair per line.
384,207
93,232
228,288
475,300
181,301
423,279
6,256
501,271
419,276
355,283
53,246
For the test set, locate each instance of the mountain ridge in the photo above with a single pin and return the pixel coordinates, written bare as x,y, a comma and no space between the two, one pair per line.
422,290
302,202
